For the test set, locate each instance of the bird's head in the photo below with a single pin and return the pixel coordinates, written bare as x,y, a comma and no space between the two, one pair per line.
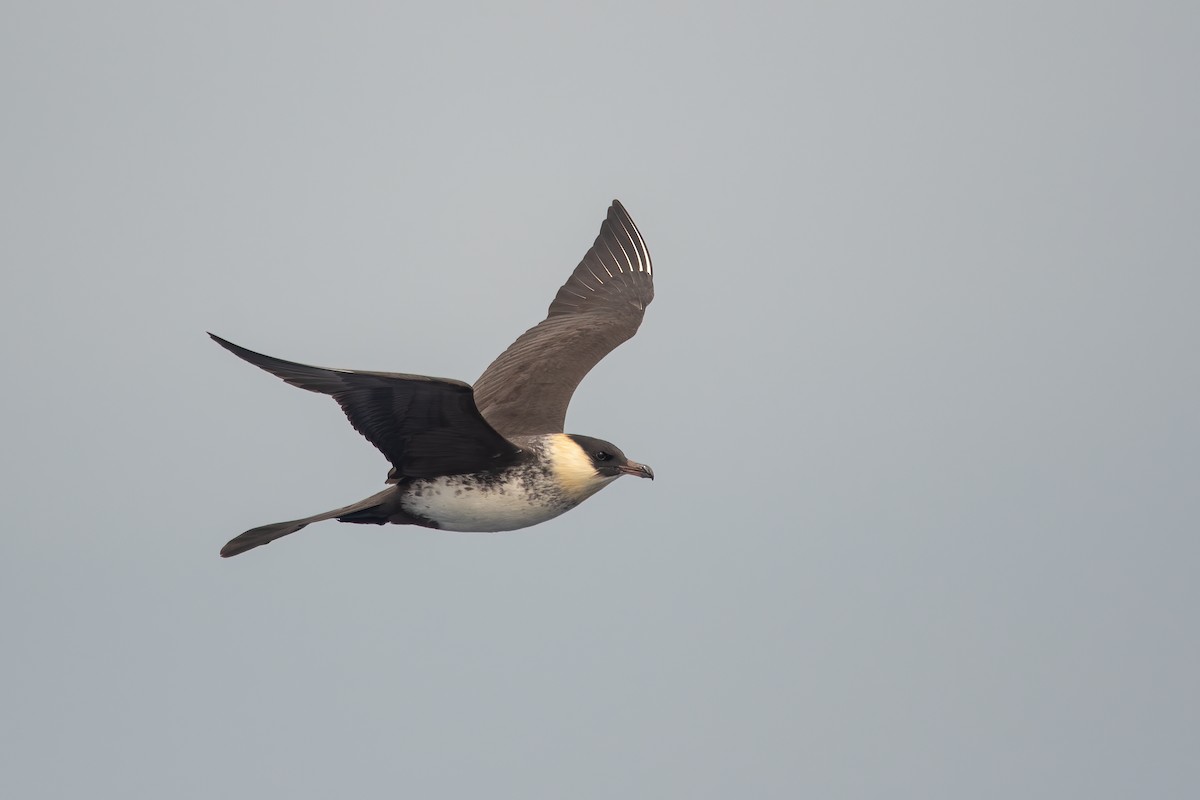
584,465
607,459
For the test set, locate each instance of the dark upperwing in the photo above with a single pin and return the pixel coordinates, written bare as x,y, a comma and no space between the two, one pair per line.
424,426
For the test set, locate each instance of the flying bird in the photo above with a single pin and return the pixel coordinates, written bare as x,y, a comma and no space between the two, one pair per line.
492,457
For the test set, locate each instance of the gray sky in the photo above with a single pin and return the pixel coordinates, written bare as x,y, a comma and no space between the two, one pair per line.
920,386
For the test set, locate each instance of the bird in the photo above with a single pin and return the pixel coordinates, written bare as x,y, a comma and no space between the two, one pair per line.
493,456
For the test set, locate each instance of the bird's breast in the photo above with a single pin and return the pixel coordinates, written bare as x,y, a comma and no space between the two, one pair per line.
503,501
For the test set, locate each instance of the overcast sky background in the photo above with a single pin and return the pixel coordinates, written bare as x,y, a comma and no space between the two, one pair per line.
920,386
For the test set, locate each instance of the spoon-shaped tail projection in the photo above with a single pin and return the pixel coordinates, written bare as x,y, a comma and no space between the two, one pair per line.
376,509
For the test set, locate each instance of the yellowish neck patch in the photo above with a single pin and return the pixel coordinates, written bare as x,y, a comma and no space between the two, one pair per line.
572,468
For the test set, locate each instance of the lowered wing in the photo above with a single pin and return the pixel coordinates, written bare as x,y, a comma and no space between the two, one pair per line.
425,427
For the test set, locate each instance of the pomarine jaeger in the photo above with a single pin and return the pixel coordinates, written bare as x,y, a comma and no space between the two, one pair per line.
492,457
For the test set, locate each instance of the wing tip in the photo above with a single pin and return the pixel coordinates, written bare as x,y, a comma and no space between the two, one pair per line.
626,231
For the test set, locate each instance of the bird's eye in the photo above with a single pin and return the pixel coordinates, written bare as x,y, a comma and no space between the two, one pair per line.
602,456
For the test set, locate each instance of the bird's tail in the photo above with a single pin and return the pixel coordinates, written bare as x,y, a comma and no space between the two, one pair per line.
377,503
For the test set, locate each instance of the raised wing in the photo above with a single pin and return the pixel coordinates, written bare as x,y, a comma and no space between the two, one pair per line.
425,427
528,388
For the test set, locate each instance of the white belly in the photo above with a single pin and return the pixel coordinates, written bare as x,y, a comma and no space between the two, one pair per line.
461,503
